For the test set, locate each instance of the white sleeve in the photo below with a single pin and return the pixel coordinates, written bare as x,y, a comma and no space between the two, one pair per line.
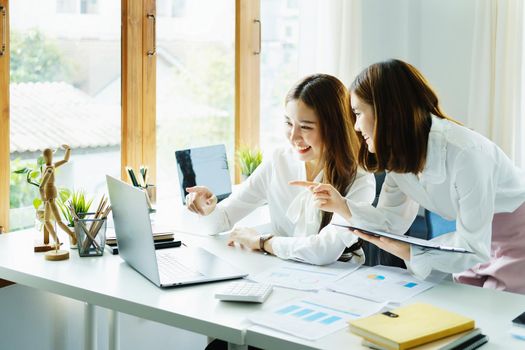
320,249
363,189
327,246
395,211
247,197
474,187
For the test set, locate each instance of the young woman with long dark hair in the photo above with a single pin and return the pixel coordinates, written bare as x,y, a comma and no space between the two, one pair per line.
323,148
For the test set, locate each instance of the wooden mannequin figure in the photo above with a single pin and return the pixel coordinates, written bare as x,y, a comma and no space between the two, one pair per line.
49,193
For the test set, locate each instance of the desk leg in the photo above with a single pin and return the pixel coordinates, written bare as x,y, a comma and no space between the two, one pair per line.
232,346
90,325
114,335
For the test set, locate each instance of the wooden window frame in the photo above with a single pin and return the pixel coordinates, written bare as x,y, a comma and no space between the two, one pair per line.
138,128
247,75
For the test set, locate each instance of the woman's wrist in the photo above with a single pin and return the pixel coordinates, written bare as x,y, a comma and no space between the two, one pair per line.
264,243
344,211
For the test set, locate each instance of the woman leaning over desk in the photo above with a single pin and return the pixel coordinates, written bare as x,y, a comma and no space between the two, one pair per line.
449,169
323,148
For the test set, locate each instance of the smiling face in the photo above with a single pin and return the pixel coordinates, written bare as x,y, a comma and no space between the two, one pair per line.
303,131
364,120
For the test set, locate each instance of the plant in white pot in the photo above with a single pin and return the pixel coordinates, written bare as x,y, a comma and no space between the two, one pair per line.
249,160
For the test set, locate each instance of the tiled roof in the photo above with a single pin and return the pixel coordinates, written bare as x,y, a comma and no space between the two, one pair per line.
47,115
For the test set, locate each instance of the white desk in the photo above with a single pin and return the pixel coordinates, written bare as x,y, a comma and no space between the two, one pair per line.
108,282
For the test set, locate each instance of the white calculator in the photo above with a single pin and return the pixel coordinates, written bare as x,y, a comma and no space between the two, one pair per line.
245,291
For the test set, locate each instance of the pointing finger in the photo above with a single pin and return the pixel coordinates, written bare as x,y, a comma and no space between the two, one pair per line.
196,189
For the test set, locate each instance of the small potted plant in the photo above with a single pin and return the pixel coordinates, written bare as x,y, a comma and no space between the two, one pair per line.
249,160
79,202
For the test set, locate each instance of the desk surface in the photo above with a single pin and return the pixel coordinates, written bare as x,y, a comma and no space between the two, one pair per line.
108,282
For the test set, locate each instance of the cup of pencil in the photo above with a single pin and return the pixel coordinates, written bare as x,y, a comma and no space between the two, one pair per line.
140,180
90,229
151,190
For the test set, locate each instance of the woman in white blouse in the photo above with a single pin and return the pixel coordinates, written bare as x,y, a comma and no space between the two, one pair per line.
322,147
434,162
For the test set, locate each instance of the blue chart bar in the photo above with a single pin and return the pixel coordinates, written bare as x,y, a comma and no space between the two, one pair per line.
315,316
288,309
308,315
331,320
303,312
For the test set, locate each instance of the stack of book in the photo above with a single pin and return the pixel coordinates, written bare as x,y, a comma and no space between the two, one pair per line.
163,239
418,326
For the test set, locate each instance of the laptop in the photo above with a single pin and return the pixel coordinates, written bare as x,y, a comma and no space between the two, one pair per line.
204,166
166,267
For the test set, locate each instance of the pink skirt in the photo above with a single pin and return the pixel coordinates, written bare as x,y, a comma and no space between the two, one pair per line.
506,268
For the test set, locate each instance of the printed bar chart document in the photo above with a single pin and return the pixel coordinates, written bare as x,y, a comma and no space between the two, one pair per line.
315,316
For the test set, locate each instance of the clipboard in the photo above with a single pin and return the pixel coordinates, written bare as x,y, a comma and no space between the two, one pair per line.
423,243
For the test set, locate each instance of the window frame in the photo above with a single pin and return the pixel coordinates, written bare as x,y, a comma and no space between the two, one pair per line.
247,75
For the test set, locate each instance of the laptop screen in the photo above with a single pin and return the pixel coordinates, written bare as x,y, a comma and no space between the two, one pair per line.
204,166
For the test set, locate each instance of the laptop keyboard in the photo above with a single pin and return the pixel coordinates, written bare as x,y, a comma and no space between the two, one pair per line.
170,269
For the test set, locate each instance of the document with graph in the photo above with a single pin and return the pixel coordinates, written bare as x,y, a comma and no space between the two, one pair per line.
302,276
381,284
316,315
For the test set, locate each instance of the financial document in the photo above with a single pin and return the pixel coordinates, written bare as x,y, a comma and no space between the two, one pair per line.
301,276
381,284
315,316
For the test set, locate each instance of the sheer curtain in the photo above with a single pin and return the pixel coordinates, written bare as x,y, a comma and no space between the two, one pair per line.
495,102
330,38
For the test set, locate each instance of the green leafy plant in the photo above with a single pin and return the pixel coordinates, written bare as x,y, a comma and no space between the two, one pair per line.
78,201
249,159
21,195
35,57
33,176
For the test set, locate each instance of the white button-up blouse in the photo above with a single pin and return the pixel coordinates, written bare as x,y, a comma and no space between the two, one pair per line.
294,219
466,178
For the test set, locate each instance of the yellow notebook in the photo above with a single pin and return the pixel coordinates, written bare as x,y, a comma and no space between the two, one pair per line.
410,326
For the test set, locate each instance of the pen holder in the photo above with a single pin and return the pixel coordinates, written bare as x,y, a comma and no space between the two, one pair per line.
151,190
91,235
151,194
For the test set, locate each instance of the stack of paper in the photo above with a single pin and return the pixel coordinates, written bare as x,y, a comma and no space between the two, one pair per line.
158,236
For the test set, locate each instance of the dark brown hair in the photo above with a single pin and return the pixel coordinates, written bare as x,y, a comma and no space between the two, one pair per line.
402,101
329,99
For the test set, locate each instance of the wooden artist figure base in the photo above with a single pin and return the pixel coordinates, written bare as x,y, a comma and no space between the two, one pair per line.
42,247
57,255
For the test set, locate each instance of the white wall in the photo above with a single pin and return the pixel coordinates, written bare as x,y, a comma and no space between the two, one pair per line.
32,319
434,35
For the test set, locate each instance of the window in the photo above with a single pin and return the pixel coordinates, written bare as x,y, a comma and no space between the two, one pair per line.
89,6
279,67
77,75
65,89
195,83
67,6
178,8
